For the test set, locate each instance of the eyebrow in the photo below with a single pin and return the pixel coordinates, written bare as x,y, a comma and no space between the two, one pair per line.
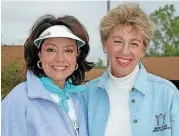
133,39
64,46
117,37
50,44
69,45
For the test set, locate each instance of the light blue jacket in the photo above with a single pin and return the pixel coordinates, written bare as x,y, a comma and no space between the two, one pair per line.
153,103
29,110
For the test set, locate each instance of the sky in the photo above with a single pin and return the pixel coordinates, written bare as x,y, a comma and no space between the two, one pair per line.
17,17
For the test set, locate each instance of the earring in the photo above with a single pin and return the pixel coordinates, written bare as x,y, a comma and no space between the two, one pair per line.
39,65
76,67
104,50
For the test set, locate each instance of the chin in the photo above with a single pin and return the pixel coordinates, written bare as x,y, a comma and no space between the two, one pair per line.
60,78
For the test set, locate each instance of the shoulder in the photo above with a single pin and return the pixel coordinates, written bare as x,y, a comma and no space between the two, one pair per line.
16,98
14,111
17,92
162,83
163,89
92,86
93,83
95,89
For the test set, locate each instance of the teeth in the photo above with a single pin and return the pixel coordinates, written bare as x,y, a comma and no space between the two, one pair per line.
59,68
122,60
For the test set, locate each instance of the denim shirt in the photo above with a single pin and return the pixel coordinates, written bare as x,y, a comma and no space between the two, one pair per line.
29,110
153,106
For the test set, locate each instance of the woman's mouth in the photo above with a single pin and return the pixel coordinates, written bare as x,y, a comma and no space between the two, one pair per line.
59,68
123,61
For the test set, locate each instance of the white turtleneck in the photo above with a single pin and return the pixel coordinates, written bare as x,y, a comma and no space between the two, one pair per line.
118,92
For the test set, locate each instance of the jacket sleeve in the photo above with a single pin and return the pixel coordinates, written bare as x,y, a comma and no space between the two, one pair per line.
175,114
13,115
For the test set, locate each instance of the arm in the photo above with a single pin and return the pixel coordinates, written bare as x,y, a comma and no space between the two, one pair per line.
175,114
13,117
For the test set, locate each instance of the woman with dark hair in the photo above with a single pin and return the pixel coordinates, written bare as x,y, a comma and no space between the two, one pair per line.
49,103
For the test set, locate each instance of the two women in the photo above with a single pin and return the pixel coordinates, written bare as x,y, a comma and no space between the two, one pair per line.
49,103
127,100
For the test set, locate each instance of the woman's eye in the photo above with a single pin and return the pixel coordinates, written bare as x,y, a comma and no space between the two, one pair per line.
134,44
69,51
117,41
50,50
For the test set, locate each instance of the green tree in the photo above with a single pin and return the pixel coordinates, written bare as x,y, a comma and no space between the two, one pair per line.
99,64
10,77
166,38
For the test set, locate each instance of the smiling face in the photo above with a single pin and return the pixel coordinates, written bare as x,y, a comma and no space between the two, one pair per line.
58,57
124,48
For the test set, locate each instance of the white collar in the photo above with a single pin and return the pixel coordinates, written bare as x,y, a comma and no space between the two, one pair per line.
123,81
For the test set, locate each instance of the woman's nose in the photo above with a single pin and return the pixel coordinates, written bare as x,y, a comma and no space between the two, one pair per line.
59,56
125,49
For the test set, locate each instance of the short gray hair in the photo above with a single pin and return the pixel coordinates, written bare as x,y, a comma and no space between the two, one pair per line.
127,14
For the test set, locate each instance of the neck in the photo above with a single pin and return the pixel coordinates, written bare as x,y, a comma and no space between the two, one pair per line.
125,80
60,84
118,75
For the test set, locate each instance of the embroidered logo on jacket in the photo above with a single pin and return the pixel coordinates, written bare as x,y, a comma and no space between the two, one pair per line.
160,122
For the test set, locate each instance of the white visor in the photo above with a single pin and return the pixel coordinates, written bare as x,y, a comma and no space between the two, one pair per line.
58,31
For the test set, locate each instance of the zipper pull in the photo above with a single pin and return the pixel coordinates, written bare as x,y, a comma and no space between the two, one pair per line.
77,132
76,127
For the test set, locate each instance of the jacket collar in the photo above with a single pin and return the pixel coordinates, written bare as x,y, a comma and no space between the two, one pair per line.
103,80
35,88
139,84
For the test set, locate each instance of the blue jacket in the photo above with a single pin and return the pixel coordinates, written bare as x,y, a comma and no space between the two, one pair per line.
153,103
29,110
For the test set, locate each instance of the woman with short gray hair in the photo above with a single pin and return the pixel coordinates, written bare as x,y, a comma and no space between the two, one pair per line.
127,100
